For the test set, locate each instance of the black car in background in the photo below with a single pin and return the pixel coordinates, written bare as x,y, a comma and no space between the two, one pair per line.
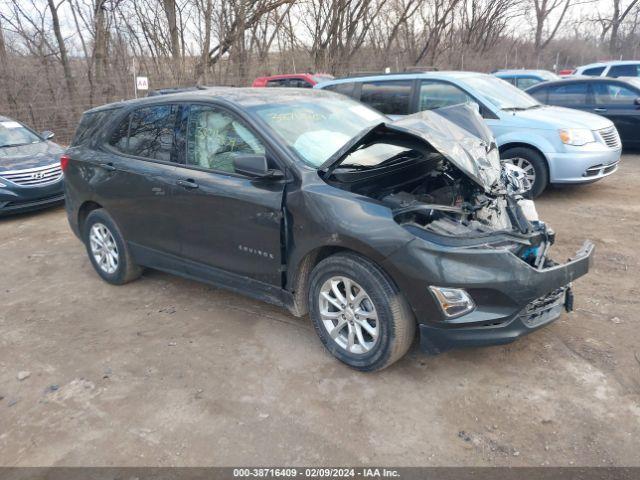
30,173
617,99
311,200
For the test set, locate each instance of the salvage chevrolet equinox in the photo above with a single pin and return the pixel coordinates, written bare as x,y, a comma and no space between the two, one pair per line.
312,201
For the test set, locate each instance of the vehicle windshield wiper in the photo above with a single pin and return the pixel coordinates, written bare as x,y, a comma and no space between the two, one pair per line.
394,159
14,145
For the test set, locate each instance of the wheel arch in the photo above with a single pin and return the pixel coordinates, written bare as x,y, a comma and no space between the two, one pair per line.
83,212
506,146
299,279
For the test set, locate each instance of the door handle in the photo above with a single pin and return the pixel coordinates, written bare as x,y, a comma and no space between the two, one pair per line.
108,167
600,110
187,184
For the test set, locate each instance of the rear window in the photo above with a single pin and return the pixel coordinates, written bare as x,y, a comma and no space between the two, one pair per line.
391,97
89,126
148,132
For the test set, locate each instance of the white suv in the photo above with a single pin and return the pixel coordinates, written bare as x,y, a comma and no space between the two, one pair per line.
621,68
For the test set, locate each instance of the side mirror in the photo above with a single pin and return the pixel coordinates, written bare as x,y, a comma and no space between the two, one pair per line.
255,166
637,101
47,135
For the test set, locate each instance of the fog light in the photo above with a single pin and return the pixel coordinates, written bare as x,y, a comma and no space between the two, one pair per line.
453,301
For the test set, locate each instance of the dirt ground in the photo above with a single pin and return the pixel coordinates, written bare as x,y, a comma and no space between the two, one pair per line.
166,371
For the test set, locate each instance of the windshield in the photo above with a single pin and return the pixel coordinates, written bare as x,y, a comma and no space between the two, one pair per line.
317,128
501,94
13,134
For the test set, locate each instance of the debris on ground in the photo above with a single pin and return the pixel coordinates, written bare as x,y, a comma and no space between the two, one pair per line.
23,375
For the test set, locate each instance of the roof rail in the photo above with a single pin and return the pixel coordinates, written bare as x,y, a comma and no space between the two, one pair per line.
170,90
418,69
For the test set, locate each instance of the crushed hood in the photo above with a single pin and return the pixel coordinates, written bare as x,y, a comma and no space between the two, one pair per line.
458,133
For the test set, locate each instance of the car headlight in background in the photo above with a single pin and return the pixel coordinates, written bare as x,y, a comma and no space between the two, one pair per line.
453,301
576,136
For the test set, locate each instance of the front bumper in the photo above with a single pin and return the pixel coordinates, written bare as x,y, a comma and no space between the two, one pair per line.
24,199
582,166
512,298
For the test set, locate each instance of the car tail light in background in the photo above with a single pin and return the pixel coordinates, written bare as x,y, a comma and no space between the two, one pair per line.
566,71
64,162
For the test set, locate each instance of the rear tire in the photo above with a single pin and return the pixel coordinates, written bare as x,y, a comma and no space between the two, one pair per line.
108,250
345,322
537,161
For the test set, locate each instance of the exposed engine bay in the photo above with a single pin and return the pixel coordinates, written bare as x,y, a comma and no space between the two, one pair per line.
429,195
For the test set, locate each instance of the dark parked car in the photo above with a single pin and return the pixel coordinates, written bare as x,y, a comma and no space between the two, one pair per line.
313,201
30,174
614,98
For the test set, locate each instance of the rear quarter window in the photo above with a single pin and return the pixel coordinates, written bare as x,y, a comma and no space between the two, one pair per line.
90,125
347,89
593,72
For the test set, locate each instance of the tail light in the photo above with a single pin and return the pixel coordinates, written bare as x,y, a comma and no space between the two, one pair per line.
64,162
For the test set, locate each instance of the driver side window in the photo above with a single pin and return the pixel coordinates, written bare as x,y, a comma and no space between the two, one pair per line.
439,94
215,138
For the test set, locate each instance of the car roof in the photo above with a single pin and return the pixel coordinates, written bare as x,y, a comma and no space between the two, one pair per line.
581,79
522,72
286,75
5,119
609,62
233,95
453,74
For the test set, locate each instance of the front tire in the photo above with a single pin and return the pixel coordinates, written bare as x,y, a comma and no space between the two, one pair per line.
534,165
108,250
358,312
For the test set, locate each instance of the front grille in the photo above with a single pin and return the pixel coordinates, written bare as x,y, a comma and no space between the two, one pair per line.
544,309
34,177
610,137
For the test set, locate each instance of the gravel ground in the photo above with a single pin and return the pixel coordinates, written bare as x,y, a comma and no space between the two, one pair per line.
167,371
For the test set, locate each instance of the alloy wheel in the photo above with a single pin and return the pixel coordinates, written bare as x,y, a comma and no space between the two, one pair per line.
348,315
104,248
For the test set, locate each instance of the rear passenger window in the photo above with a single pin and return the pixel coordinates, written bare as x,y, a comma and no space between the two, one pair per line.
299,83
525,82
388,96
540,94
215,138
148,132
440,94
593,72
278,83
347,89
568,95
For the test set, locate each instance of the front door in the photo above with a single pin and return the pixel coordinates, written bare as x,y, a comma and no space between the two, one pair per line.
228,221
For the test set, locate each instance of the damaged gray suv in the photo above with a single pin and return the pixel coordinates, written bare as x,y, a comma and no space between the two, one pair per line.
309,200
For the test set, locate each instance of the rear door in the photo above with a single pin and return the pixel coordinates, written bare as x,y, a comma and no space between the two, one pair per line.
133,177
571,95
228,221
616,101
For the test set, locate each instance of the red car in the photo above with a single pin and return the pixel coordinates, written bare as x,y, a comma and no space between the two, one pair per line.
295,80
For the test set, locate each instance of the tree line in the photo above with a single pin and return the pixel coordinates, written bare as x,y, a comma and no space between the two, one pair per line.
60,57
